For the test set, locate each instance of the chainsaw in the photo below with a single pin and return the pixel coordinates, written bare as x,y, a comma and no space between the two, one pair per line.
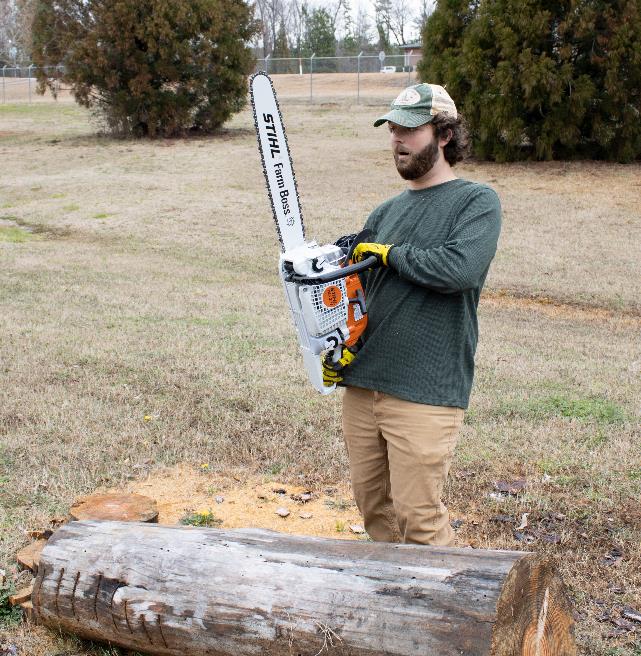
321,283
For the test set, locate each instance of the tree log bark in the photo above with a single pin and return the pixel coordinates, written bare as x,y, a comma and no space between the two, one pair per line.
194,591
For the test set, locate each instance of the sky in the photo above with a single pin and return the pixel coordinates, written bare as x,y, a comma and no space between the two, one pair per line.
414,6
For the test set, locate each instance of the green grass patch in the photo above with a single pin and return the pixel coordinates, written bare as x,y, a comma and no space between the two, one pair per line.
15,235
71,208
592,408
206,518
9,615
101,215
595,409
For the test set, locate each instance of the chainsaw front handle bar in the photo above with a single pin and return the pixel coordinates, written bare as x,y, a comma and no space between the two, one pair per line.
370,263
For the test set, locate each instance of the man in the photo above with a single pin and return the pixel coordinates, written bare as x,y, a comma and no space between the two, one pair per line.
409,383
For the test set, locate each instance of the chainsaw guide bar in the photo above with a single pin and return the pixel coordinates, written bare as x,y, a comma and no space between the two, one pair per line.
322,287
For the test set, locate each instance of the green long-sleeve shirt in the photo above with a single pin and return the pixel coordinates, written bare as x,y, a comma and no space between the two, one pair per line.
422,327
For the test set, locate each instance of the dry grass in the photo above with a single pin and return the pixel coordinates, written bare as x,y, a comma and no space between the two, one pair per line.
146,286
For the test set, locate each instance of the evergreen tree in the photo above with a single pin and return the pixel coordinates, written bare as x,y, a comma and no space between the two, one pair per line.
320,38
606,47
150,67
442,35
541,78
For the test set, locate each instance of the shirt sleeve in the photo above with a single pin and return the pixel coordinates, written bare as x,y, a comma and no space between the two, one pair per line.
461,262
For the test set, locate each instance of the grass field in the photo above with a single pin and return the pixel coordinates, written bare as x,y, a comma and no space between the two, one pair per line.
143,322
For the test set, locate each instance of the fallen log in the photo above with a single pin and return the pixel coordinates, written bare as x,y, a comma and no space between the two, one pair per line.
196,591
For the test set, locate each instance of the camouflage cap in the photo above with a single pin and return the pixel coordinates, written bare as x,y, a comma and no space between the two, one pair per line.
418,105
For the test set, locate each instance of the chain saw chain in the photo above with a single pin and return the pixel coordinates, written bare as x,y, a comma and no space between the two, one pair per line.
321,283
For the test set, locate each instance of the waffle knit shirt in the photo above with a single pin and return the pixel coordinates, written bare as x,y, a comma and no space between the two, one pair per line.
422,326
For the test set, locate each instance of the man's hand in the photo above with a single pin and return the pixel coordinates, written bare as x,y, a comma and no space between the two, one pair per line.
333,371
364,250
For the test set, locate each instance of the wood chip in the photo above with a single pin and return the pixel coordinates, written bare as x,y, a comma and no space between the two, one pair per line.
29,557
40,534
631,614
356,528
23,595
305,515
116,507
283,512
523,523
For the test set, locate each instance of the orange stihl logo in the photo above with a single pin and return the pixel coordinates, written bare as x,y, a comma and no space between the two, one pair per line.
332,296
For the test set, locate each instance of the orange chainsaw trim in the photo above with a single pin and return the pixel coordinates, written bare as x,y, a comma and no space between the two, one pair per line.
356,326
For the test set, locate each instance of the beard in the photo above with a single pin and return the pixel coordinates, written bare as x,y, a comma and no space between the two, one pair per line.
416,165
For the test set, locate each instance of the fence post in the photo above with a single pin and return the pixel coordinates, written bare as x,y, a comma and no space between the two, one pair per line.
29,74
267,62
4,94
358,78
311,78
409,68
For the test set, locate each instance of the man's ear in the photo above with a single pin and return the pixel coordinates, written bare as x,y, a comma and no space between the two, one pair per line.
443,141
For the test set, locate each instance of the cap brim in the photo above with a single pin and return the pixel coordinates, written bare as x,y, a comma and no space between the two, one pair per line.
405,118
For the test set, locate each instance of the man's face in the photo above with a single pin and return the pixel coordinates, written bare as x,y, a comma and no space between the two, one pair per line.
415,149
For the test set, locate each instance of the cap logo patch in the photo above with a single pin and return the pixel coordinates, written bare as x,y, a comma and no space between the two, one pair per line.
408,97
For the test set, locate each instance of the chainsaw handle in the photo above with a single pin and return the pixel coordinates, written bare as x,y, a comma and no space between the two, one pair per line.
369,263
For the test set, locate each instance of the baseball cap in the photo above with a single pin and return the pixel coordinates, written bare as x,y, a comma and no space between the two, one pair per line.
418,105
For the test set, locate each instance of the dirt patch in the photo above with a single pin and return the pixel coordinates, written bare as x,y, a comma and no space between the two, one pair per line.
558,309
250,501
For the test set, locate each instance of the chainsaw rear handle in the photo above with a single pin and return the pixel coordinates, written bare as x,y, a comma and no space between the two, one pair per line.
369,263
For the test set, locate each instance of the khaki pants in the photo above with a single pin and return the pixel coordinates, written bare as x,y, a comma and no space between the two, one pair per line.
399,455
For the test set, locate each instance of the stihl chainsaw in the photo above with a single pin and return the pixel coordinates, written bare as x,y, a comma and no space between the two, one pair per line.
321,284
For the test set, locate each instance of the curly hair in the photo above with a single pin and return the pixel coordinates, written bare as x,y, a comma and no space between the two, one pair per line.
457,148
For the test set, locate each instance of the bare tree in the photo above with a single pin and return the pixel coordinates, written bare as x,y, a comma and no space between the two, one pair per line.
401,16
424,11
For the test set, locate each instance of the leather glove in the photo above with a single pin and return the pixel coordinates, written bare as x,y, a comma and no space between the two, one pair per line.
364,250
333,371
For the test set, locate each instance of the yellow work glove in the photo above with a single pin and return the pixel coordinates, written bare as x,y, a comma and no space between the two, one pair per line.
364,250
333,371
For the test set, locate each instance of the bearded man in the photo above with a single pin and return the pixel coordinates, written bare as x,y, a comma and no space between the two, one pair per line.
409,383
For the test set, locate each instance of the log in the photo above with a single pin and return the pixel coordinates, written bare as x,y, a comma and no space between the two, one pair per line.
120,507
196,591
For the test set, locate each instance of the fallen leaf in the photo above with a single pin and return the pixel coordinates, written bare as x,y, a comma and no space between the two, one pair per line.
305,515
464,474
524,523
624,624
356,528
506,519
283,512
7,649
551,538
523,537
219,499
279,490
302,498
514,488
457,523
631,613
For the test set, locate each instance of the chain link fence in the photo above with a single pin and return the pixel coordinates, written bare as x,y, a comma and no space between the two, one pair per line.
360,78
18,83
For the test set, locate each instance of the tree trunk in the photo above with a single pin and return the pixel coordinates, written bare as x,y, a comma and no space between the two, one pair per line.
195,591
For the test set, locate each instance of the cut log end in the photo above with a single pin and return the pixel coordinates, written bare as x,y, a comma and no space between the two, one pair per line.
534,614
115,507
